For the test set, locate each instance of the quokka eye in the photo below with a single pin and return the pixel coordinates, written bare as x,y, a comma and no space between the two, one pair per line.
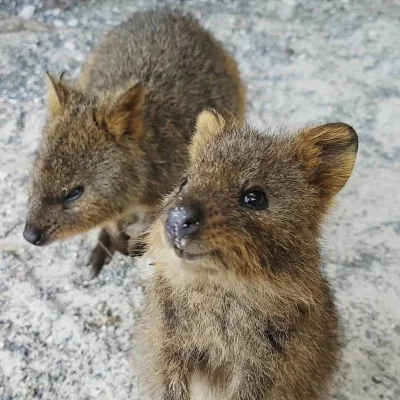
254,198
74,194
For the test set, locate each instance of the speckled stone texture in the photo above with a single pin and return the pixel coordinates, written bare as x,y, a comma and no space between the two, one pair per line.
304,61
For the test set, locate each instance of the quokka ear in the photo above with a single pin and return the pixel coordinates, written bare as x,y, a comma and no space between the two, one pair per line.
328,153
58,94
209,124
122,114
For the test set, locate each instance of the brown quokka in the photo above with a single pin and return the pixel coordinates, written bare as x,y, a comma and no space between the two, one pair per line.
239,308
116,142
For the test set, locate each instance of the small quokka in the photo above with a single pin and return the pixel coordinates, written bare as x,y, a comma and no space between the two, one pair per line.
239,308
116,142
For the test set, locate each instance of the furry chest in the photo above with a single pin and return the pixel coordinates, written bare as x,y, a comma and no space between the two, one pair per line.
215,326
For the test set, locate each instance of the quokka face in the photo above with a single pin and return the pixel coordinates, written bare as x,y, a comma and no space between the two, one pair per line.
250,200
85,158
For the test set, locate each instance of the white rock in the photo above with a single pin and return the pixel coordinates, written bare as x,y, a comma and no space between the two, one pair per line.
286,11
27,12
58,23
69,45
80,57
73,23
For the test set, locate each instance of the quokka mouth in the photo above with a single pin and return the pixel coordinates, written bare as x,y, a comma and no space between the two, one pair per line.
45,241
185,255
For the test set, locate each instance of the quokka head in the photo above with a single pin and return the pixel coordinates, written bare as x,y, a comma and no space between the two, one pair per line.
89,163
251,203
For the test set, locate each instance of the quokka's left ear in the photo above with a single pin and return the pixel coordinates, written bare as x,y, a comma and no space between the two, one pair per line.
328,153
122,114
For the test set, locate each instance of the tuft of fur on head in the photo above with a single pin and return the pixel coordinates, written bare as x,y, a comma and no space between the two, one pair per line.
92,143
276,247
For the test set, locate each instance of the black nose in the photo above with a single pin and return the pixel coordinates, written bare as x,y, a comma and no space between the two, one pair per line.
33,235
183,221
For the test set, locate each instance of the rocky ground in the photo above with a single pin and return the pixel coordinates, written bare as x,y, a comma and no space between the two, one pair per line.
304,61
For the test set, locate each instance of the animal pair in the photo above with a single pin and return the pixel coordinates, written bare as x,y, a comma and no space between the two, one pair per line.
240,308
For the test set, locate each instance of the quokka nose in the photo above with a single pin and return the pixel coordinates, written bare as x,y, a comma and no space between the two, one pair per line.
33,235
183,221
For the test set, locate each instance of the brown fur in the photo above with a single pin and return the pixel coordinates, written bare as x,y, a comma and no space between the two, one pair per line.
122,132
252,317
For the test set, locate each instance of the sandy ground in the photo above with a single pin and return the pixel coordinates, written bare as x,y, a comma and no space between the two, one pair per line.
304,61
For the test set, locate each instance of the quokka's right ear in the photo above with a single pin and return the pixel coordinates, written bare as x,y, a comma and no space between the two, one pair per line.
209,124
57,94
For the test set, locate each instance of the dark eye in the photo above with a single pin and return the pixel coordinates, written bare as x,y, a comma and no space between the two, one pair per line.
254,198
74,194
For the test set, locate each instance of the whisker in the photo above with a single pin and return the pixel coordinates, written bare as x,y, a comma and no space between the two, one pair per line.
105,248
